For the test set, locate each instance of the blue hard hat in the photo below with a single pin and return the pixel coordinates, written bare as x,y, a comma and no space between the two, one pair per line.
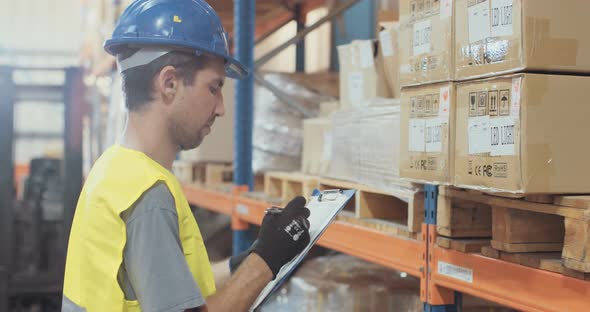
185,24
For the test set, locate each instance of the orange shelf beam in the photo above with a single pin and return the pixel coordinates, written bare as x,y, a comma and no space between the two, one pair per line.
513,285
209,199
397,253
250,210
401,254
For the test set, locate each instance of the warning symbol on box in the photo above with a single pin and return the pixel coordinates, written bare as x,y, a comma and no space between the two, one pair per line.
504,102
435,104
493,100
427,105
472,104
482,104
420,106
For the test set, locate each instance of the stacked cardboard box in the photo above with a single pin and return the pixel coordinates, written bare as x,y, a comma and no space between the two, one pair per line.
427,132
368,82
504,36
362,74
388,40
517,133
511,127
316,146
520,134
426,41
428,91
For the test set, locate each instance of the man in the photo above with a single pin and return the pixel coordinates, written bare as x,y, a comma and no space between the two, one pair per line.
134,243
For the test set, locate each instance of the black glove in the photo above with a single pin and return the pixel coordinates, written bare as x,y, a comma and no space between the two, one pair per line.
283,235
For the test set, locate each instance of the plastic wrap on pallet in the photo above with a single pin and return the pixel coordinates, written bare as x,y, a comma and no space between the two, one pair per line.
344,283
365,145
278,133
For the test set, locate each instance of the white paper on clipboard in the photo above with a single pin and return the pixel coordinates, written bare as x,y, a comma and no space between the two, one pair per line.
323,207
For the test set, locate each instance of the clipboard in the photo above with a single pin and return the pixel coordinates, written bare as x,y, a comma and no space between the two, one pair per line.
323,207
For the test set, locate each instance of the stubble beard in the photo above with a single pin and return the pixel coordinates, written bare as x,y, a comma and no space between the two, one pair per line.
183,138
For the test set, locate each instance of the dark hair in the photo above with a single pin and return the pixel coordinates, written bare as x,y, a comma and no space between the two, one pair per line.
138,82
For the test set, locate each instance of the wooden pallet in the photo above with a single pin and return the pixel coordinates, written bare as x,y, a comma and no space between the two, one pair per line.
379,225
403,206
183,171
211,174
461,218
548,261
216,174
349,217
533,224
284,186
261,196
467,245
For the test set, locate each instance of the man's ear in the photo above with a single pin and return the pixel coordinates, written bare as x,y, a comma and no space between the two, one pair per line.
167,82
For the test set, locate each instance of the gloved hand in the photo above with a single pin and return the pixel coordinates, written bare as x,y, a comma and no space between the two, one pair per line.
283,235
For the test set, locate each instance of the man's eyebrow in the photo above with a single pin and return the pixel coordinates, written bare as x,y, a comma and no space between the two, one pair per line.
219,81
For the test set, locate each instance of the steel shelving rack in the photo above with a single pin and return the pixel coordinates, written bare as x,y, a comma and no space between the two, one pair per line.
444,274
506,283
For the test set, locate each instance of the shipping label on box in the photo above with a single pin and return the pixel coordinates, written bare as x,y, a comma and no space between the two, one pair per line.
492,122
426,132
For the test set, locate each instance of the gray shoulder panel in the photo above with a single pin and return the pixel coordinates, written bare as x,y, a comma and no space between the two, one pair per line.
154,269
68,305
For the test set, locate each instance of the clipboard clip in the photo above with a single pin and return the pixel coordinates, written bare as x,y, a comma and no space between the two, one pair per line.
329,195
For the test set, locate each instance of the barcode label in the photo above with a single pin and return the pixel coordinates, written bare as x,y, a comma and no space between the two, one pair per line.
456,272
433,135
242,209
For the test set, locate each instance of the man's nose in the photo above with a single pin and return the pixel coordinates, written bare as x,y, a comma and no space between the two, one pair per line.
220,106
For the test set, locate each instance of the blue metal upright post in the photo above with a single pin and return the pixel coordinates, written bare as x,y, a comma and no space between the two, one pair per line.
300,46
430,201
430,213
244,28
357,23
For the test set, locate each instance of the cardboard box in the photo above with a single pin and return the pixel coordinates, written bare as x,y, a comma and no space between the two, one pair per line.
503,36
361,74
427,133
388,39
426,41
218,146
317,146
523,134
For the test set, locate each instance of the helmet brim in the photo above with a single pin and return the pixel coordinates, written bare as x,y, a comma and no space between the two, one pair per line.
233,68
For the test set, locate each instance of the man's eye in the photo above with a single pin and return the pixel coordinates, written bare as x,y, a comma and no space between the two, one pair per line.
213,90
